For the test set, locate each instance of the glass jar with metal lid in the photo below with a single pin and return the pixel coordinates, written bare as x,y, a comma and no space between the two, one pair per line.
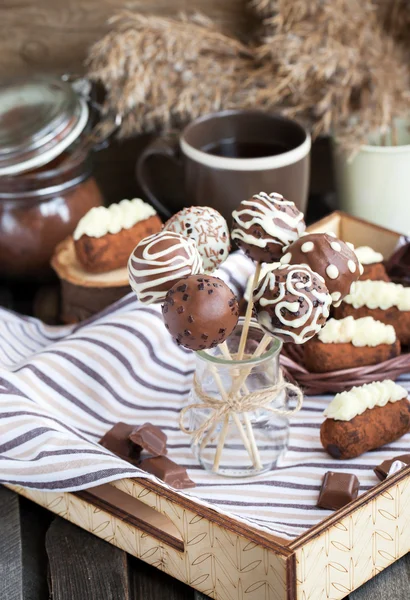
46,182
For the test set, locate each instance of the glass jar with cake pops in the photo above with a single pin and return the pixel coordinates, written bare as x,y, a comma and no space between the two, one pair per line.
237,409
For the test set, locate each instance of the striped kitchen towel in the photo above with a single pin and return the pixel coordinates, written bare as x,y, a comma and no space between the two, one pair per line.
62,388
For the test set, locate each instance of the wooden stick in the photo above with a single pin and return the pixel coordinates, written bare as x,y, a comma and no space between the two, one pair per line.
248,314
253,452
221,443
246,443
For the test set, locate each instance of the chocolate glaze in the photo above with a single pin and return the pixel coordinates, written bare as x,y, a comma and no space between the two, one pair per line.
200,312
328,256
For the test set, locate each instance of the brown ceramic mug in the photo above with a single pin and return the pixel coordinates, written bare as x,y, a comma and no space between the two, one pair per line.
231,155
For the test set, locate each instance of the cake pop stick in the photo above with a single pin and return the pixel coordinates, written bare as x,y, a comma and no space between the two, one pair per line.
248,315
221,443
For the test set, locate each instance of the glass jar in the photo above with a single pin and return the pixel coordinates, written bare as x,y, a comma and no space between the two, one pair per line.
39,208
46,138
249,436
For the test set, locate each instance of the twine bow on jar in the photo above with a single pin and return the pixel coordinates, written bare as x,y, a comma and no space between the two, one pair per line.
234,403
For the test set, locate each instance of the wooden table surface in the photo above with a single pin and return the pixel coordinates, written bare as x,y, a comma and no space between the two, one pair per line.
45,557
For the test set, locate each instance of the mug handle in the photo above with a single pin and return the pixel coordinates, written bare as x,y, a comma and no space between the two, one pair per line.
167,146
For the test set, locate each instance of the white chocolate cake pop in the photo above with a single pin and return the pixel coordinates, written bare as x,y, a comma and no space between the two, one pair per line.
292,302
265,224
158,262
332,258
208,228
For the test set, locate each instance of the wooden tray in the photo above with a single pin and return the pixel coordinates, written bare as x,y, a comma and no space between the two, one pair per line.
226,559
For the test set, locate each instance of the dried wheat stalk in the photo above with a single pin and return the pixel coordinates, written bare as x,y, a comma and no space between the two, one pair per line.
161,73
331,62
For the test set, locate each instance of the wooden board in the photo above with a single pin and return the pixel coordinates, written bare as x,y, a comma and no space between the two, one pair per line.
53,35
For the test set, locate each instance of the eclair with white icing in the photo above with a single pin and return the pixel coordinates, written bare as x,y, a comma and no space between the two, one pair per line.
384,301
349,343
365,418
372,261
105,237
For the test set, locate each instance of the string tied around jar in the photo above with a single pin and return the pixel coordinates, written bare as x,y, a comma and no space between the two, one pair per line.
234,403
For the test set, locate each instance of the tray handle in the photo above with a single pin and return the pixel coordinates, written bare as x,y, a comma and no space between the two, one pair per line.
134,512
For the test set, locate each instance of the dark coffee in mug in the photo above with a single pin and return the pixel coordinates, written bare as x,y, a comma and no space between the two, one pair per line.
233,148
232,155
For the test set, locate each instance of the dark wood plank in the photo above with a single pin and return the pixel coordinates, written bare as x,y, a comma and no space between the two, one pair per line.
11,572
84,567
53,36
391,584
34,521
148,583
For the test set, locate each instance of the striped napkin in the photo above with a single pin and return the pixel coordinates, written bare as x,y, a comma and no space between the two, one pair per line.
62,388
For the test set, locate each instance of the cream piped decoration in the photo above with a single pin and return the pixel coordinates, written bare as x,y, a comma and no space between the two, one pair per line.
292,302
158,262
265,224
368,256
101,220
348,405
379,294
359,332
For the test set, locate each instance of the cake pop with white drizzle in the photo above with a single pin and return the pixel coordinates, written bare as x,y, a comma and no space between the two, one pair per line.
328,256
292,302
265,224
158,262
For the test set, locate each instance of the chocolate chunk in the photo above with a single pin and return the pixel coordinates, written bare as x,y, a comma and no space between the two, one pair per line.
383,469
117,441
338,489
167,470
150,438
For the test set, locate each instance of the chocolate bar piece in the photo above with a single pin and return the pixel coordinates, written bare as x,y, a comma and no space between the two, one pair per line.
383,469
117,441
150,438
167,470
338,489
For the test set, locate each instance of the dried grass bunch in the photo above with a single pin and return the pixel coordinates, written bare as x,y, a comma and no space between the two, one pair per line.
161,73
339,65
332,63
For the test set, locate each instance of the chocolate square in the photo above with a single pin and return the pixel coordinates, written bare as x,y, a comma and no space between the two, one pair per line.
167,470
383,469
117,441
150,438
338,489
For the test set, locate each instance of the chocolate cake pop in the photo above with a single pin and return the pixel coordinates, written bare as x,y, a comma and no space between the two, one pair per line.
208,228
200,312
158,262
265,224
333,259
292,302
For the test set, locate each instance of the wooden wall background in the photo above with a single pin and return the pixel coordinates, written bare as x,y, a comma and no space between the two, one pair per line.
53,36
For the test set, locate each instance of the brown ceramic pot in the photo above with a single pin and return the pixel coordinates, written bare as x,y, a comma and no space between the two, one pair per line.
231,155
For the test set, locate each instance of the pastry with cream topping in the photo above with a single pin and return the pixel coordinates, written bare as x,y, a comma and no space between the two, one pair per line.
328,256
365,418
348,343
384,301
372,262
292,302
265,224
105,237
158,262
